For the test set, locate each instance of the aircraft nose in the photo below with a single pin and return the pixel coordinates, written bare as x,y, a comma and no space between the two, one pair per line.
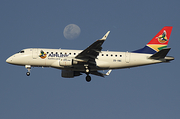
9,60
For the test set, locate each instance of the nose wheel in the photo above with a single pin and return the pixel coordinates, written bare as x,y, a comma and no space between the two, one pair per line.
28,67
28,73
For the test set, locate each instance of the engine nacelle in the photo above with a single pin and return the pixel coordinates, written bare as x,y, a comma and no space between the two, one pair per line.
67,62
70,74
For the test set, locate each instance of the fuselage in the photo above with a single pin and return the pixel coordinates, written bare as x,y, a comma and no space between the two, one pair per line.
105,60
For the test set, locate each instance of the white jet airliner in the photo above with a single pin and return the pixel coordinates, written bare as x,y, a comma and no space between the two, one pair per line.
92,59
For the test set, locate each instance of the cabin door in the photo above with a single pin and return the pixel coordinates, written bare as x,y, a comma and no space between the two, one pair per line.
127,56
35,53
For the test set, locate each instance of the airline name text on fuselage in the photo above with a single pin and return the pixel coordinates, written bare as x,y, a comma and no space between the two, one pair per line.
57,55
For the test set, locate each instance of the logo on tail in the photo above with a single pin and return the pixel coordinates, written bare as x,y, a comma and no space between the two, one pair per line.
162,38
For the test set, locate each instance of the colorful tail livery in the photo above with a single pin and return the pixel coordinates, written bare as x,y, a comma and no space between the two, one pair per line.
159,41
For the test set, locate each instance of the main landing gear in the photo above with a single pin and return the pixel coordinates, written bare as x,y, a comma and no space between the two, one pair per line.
28,67
88,78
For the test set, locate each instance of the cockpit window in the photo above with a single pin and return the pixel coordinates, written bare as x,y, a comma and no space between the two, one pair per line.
22,51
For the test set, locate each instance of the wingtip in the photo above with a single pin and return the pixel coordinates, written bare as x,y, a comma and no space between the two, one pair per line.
108,73
105,36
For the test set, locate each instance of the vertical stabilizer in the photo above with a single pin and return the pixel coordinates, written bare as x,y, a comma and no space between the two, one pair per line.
159,41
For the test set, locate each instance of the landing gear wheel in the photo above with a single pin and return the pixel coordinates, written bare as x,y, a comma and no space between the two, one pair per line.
28,73
28,67
87,70
88,78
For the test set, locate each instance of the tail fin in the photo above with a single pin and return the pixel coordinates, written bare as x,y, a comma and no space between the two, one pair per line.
159,41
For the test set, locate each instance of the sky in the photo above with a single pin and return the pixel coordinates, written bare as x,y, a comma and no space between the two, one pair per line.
147,92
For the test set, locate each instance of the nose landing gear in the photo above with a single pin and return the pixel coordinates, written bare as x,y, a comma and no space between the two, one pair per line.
27,73
28,67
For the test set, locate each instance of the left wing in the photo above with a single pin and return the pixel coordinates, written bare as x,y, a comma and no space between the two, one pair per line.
101,74
91,53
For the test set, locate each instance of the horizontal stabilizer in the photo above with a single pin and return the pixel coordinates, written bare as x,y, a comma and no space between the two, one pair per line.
161,54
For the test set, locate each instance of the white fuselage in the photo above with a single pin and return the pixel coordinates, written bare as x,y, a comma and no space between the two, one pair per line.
105,60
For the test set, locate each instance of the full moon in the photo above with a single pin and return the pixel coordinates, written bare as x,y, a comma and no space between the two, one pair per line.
71,31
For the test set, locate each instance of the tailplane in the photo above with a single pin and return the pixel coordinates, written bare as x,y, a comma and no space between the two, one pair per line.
159,42
161,54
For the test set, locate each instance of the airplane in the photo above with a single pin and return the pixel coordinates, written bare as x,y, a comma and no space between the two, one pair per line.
93,59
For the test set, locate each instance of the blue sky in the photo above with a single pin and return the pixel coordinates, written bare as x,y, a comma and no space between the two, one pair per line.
148,92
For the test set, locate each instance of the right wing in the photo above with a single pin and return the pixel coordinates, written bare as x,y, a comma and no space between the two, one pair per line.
91,53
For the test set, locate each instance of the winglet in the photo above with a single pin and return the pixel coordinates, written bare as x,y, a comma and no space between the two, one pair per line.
105,36
108,73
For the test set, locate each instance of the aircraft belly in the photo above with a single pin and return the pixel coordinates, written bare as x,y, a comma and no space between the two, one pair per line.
103,64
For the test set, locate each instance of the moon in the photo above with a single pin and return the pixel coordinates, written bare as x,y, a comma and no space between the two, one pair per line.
71,31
